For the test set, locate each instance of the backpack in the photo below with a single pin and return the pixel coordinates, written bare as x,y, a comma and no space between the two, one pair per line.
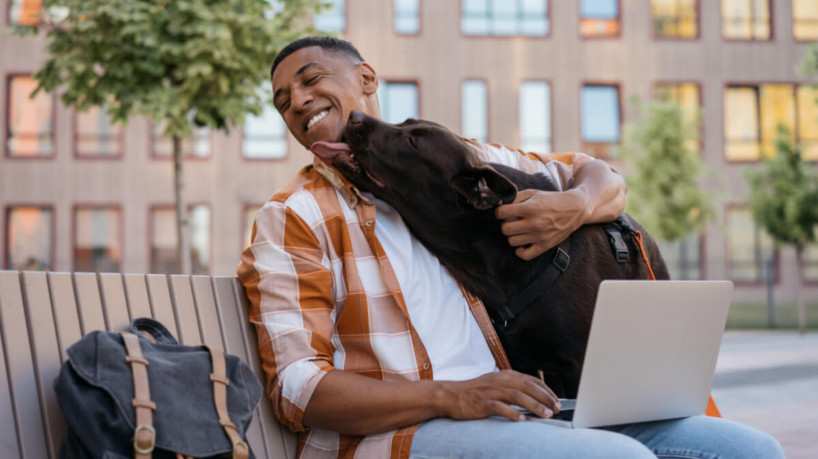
141,394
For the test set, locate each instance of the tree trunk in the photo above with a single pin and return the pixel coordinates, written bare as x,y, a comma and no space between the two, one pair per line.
182,241
799,291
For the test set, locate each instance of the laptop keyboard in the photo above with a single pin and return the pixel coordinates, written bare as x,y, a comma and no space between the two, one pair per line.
564,415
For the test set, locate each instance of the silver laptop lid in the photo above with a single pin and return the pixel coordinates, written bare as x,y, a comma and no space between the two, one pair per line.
652,351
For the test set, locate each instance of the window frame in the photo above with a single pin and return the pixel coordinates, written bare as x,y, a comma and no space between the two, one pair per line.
698,36
344,15
8,15
619,21
387,81
699,86
792,26
420,21
246,206
465,35
171,206
153,141
287,145
485,82
7,238
728,258
753,39
7,124
600,150
550,113
120,140
97,206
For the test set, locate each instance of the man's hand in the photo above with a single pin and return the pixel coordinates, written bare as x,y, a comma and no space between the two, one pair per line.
539,220
493,394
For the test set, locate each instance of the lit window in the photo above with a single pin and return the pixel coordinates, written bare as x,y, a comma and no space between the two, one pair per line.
333,18
687,95
97,239
750,250
163,239
505,17
805,20
474,110
249,218
683,257
29,238
745,19
600,118
95,134
407,16
599,18
265,136
25,12
195,146
30,121
535,116
752,115
675,18
398,101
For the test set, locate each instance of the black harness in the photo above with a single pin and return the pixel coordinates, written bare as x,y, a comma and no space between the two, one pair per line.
522,300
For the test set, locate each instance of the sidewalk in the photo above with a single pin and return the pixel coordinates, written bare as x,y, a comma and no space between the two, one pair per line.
769,380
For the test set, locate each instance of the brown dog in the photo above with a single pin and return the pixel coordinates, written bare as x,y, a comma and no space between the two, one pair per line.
447,197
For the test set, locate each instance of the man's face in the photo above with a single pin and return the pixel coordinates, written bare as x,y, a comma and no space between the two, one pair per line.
315,91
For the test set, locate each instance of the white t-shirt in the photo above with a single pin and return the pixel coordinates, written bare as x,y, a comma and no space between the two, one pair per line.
437,308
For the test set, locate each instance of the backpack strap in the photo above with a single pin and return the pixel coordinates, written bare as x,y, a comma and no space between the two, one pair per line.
220,383
144,437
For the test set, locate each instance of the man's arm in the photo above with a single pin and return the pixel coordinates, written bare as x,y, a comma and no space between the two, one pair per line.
539,220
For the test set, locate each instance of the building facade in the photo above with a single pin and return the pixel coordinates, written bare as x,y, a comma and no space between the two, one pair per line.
545,75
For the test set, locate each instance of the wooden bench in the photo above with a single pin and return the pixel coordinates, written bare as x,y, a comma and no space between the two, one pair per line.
42,314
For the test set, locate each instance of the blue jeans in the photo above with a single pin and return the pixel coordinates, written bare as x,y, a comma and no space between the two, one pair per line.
695,437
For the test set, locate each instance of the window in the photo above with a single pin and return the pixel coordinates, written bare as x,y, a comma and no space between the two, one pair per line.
505,17
333,18
249,218
95,135
598,18
683,257
752,115
163,239
29,238
675,18
25,12
600,118
97,239
811,263
265,136
30,121
474,110
195,146
688,96
407,16
535,116
805,20
398,101
750,251
745,19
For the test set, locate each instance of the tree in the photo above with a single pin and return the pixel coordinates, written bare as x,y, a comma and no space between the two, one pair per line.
784,201
662,190
182,62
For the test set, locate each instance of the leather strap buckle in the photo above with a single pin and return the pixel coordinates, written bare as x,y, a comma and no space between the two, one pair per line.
561,259
241,450
146,449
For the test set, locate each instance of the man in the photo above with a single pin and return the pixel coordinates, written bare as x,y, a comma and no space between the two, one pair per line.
370,347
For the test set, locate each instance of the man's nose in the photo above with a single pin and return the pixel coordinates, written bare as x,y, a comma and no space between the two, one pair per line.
300,99
356,117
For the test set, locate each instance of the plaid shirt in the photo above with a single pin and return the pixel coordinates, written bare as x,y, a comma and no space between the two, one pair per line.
324,296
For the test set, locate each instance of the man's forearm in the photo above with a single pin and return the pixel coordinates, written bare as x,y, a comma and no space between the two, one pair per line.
602,189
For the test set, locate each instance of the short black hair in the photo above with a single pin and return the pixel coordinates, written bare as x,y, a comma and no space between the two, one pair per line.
331,44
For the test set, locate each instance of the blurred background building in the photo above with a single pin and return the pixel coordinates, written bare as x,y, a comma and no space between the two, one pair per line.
78,194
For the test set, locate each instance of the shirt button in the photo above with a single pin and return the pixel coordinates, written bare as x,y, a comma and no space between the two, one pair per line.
368,223
426,365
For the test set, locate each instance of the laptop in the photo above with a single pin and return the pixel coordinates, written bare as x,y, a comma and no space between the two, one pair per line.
651,353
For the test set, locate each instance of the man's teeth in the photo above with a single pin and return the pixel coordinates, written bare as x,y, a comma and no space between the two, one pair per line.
317,118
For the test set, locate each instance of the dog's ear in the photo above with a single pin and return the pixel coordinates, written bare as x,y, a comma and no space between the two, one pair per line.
483,187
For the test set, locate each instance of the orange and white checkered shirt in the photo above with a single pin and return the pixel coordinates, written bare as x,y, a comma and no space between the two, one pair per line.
324,296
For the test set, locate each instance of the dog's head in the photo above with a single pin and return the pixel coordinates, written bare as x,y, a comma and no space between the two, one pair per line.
413,163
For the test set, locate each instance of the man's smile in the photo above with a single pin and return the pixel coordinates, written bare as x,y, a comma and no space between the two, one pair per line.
315,119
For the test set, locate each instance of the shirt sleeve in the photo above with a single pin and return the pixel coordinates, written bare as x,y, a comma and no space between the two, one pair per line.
561,167
288,283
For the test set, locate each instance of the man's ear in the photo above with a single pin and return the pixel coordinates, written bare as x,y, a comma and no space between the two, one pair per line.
369,78
483,188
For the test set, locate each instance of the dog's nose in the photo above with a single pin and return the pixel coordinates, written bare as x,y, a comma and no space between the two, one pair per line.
356,117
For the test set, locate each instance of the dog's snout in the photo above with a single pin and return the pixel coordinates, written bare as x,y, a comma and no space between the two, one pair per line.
356,117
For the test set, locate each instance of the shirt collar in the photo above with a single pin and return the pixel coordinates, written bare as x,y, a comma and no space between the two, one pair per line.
350,192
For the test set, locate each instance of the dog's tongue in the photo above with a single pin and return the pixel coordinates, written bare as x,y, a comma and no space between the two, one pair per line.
329,150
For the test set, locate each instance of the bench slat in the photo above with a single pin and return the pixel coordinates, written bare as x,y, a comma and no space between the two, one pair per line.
160,301
46,352
208,315
114,302
136,291
66,316
9,446
186,316
90,306
23,381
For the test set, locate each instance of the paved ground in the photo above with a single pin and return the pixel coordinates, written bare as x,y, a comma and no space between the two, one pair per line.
769,380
